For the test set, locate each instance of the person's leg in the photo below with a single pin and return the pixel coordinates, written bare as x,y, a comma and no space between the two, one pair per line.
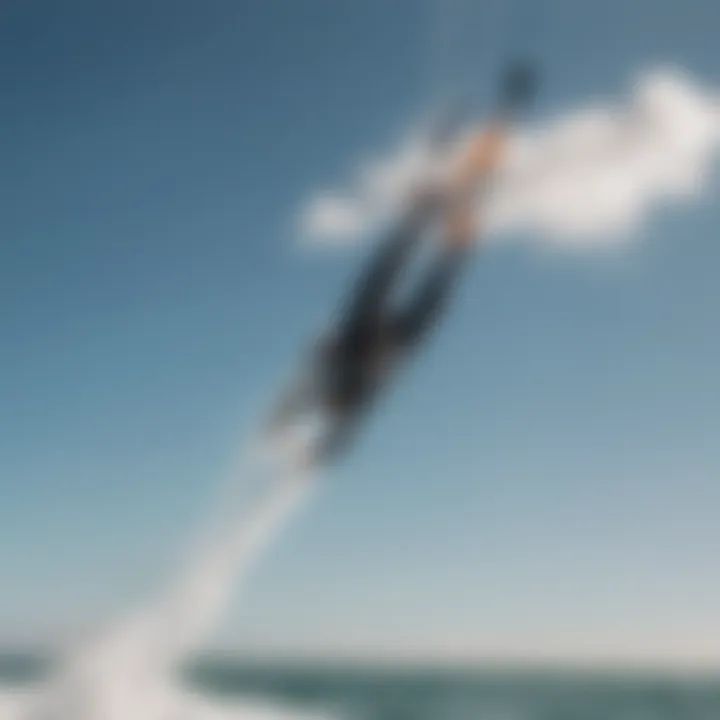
299,397
291,404
374,285
420,315
335,440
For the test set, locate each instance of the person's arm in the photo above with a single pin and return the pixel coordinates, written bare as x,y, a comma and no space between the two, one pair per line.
481,157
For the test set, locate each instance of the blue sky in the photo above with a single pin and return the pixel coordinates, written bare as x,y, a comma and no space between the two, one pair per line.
543,479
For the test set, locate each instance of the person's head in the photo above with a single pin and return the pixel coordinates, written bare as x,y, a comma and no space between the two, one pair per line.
518,86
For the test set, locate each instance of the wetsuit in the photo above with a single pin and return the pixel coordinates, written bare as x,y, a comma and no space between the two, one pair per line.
351,365
372,336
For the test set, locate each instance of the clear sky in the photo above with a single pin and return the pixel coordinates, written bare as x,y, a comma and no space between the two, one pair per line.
544,480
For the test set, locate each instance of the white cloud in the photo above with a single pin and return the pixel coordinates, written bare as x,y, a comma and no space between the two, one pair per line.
589,177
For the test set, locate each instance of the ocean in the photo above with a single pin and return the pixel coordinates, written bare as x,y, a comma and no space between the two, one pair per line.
344,692
145,664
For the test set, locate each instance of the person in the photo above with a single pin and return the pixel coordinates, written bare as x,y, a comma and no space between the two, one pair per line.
356,359
373,336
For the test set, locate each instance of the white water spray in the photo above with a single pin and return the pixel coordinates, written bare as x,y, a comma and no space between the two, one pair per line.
128,671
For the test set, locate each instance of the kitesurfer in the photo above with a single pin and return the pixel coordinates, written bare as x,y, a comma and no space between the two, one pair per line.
354,361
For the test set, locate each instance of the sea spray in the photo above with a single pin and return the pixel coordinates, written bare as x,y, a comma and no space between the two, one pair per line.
128,671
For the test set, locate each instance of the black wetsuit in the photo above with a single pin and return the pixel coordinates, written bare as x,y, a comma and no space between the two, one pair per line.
352,364
371,336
